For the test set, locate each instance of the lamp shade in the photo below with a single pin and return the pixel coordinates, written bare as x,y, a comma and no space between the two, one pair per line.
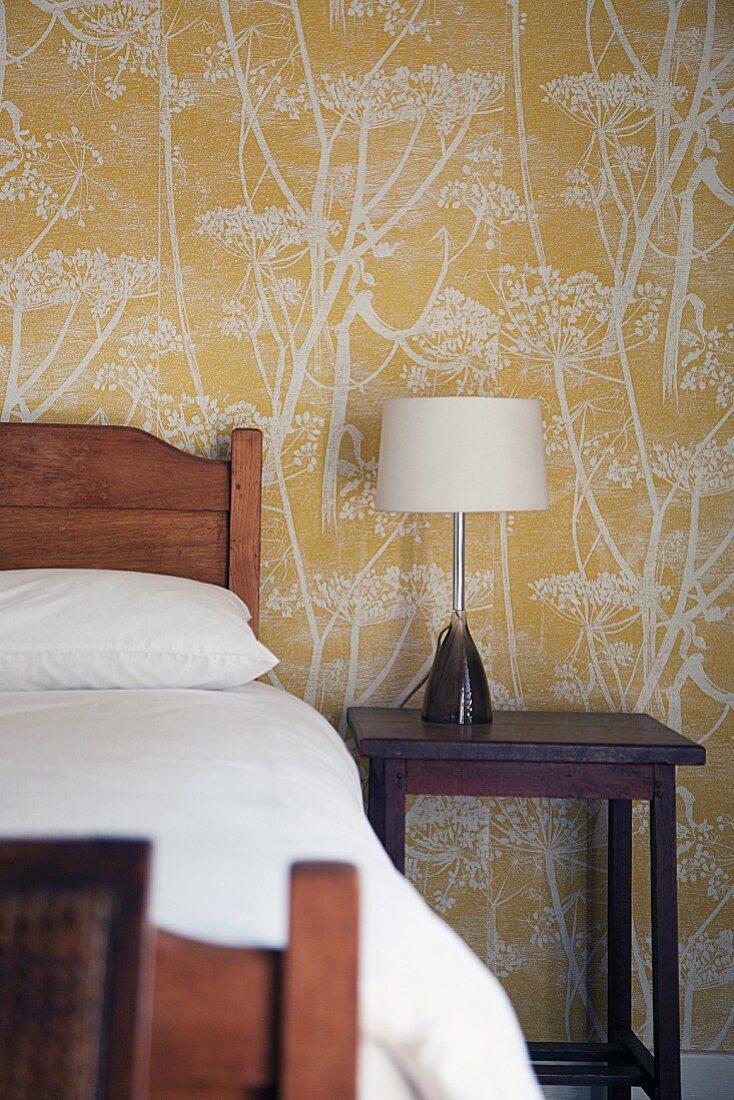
461,454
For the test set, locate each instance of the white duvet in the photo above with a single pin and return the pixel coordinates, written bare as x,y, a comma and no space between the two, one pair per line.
233,787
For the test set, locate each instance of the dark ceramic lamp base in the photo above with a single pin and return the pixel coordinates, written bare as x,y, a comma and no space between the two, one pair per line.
457,689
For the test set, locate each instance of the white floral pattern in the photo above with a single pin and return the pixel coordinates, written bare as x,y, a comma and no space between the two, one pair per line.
278,213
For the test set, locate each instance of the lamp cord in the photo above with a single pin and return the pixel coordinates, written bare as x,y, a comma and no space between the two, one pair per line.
417,687
423,679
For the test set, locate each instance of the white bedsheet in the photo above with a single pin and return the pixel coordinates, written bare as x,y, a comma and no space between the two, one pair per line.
233,786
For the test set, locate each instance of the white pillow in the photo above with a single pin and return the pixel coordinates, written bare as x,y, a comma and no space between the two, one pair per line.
96,628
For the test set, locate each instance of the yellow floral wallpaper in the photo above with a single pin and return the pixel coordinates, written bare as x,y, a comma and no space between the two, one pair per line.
280,212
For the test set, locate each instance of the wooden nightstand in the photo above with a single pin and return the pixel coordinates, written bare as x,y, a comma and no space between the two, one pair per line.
617,757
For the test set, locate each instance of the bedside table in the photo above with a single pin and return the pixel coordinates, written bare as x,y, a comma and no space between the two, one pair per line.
616,757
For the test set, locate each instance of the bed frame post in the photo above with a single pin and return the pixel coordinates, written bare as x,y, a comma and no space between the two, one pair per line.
244,519
320,984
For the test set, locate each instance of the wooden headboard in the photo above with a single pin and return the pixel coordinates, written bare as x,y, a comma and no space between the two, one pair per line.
98,497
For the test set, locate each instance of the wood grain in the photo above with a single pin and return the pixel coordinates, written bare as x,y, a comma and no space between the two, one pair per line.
94,466
116,870
537,736
386,806
184,544
244,528
215,1019
320,987
507,779
214,1094
581,1063
235,1023
664,914
619,926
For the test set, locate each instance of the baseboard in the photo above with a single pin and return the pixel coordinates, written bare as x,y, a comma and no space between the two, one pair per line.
706,1076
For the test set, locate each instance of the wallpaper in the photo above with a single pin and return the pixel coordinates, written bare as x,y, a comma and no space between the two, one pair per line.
280,212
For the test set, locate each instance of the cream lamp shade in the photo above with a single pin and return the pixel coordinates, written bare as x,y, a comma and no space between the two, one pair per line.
461,454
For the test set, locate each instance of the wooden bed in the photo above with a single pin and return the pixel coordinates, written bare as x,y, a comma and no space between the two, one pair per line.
227,1024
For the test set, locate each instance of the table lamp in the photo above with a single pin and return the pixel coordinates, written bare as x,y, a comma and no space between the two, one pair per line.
460,454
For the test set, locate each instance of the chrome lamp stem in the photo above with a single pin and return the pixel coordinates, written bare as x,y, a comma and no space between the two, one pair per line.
459,544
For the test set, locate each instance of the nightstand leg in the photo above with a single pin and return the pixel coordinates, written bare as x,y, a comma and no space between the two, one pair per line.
619,925
376,798
664,871
386,807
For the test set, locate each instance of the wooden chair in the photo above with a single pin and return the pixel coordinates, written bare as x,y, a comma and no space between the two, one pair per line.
282,1024
75,986
73,969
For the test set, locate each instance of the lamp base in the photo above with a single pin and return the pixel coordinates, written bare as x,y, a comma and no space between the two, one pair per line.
457,689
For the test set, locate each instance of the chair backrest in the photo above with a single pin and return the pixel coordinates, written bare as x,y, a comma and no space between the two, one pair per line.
76,987
74,974
239,1023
